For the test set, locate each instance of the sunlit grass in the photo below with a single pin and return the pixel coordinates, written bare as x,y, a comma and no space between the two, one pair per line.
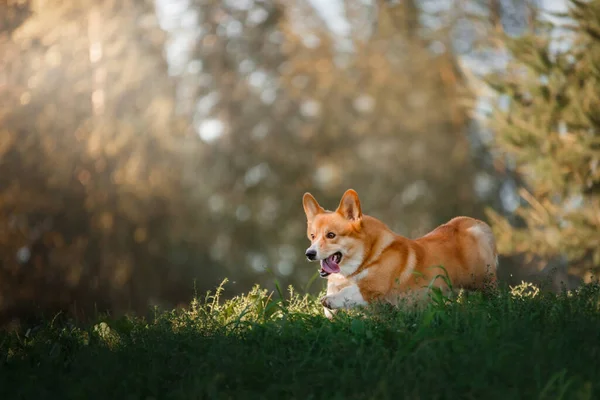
515,343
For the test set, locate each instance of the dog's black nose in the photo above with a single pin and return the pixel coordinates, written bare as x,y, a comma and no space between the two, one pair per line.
311,254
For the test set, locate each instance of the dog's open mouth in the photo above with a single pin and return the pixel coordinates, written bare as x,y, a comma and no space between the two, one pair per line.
330,265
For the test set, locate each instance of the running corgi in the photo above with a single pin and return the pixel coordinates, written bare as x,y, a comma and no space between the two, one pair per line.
365,261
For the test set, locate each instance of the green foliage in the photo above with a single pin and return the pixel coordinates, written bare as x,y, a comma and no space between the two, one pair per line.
516,343
550,128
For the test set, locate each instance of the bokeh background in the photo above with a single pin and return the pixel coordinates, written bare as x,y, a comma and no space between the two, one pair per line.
149,149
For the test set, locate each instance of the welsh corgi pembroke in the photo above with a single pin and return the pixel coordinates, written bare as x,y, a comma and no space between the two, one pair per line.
365,261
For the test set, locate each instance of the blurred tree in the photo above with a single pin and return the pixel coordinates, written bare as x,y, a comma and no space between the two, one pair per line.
547,123
93,214
476,31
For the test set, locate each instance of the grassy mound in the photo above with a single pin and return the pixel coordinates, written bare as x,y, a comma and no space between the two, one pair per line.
516,343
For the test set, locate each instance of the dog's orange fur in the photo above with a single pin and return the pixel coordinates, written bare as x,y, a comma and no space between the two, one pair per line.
385,266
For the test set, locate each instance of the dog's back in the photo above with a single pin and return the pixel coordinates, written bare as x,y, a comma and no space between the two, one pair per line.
466,248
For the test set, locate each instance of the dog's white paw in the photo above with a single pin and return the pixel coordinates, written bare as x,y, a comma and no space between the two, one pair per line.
329,313
326,301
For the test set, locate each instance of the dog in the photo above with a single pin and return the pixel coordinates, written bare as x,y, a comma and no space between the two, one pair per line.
364,261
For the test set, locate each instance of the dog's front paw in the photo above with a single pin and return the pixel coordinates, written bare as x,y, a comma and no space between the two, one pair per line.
326,302
329,313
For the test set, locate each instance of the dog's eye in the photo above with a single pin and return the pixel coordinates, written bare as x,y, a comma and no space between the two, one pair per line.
330,235
312,235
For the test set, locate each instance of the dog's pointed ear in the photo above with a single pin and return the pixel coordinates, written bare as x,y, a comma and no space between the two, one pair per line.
311,206
349,206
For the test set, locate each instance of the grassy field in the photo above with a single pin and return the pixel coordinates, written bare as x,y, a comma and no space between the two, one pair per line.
518,343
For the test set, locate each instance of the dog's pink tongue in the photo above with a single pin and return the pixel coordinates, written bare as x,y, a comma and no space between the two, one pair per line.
329,265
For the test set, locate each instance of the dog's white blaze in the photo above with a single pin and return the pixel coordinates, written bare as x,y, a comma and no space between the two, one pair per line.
348,297
409,267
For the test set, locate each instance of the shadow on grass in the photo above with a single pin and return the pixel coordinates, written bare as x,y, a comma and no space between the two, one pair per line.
515,343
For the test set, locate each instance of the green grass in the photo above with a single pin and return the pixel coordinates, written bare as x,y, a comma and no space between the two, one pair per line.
514,344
